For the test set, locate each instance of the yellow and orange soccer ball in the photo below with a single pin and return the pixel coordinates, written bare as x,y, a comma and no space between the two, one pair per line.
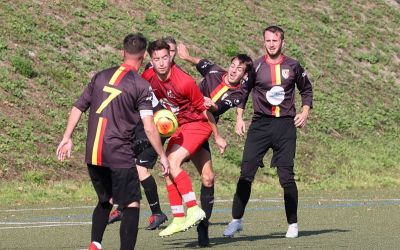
166,122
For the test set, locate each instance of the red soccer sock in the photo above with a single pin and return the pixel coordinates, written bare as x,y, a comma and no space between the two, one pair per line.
184,186
175,201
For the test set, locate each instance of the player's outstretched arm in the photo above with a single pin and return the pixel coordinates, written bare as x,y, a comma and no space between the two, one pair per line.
65,146
183,53
154,138
240,125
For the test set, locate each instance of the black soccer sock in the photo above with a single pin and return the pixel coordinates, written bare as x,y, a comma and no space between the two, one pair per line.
150,189
291,201
242,195
129,228
100,220
207,200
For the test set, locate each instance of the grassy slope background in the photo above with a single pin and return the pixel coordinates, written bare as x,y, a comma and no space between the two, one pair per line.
50,49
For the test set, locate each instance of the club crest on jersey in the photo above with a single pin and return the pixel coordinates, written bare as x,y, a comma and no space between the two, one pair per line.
285,73
170,94
275,95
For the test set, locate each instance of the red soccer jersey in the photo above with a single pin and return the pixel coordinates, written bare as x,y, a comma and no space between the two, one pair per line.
179,93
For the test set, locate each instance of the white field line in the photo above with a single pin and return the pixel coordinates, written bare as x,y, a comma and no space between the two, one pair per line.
45,208
51,225
41,222
316,199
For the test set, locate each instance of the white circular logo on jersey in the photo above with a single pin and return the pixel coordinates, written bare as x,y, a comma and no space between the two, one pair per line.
275,95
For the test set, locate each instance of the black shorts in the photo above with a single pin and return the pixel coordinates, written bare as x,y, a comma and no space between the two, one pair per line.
206,146
121,184
147,158
145,154
279,134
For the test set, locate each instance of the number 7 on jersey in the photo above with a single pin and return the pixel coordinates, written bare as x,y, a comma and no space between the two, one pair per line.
113,93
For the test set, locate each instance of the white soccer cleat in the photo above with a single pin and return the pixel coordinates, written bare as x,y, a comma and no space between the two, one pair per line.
233,227
293,231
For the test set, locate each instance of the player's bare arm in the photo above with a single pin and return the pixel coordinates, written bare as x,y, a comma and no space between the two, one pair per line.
154,138
240,125
300,120
65,146
221,143
183,53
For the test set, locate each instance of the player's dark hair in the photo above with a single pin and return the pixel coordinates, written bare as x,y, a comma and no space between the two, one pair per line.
169,39
275,29
244,59
159,44
135,43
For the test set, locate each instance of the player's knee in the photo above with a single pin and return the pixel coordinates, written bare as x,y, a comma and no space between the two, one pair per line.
143,174
175,167
208,179
286,182
105,205
246,177
134,204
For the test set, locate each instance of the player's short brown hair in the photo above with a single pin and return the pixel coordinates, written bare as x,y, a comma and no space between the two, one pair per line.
246,60
275,29
135,43
159,44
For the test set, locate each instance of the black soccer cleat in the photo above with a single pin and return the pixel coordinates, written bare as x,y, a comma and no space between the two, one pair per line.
202,234
156,220
115,215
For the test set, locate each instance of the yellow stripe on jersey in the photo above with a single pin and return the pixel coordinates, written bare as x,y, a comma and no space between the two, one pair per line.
277,111
96,142
219,93
278,82
278,74
116,75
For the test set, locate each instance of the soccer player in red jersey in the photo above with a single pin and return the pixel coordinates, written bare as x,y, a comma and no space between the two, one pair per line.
117,99
222,90
273,126
178,92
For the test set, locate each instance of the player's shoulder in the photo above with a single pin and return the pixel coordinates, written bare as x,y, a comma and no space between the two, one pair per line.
148,74
258,62
291,61
107,71
181,74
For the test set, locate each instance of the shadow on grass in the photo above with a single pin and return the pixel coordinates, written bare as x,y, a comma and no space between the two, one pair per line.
218,241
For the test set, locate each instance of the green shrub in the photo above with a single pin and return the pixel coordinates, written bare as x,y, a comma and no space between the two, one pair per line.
34,176
15,87
151,18
23,65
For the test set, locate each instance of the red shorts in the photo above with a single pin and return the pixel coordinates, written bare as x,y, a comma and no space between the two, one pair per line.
190,136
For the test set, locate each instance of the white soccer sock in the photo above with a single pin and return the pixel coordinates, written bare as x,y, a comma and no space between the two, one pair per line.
98,245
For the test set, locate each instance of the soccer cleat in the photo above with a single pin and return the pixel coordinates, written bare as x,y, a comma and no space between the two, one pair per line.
202,234
293,231
115,215
193,216
155,221
94,246
234,226
176,226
